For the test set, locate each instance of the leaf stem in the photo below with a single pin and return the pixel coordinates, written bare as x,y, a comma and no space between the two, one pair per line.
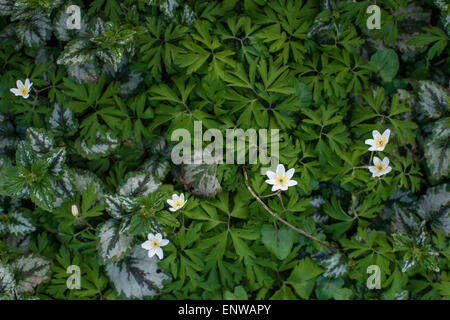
281,219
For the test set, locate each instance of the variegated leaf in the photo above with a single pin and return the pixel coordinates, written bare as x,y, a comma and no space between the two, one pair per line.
138,184
30,271
137,276
112,243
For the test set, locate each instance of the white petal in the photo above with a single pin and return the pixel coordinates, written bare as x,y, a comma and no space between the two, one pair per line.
159,253
376,134
173,209
184,203
150,236
164,242
372,170
386,134
27,82
291,183
19,84
15,91
386,161
276,187
26,97
271,174
388,169
146,245
280,169
376,160
182,196
271,181
170,201
374,148
284,188
151,252
290,173
175,197
158,236
370,142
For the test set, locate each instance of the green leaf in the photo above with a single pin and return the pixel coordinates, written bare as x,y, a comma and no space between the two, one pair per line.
386,62
326,288
302,278
285,293
280,241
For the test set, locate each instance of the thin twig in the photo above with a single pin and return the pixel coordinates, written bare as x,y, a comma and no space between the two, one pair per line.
281,219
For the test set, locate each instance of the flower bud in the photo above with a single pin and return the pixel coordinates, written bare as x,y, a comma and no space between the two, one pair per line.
74,211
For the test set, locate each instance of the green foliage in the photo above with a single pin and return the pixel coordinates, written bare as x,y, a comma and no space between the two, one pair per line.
85,160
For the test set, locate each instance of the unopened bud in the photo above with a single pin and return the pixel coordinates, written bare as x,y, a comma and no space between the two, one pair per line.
74,211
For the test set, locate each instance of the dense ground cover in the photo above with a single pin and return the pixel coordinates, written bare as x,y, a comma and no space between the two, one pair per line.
85,150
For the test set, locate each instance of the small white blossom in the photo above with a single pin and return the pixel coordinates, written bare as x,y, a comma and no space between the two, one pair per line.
154,244
280,179
177,202
75,210
22,89
379,141
380,167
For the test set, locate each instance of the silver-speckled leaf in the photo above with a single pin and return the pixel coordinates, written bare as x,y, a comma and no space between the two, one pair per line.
30,271
7,281
35,31
437,149
19,224
76,52
40,141
102,147
112,243
137,276
202,179
434,207
62,121
138,184
432,99
117,205
83,178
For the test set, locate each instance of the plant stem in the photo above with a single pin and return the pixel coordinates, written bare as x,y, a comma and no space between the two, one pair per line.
281,219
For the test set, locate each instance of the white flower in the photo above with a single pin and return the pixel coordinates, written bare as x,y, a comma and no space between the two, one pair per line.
281,180
75,211
177,202
22,89
379,141
380,167
154,244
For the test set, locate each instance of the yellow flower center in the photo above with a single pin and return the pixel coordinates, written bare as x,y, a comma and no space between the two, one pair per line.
280,179
177,203
23,90
380,141
155,244
380,167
